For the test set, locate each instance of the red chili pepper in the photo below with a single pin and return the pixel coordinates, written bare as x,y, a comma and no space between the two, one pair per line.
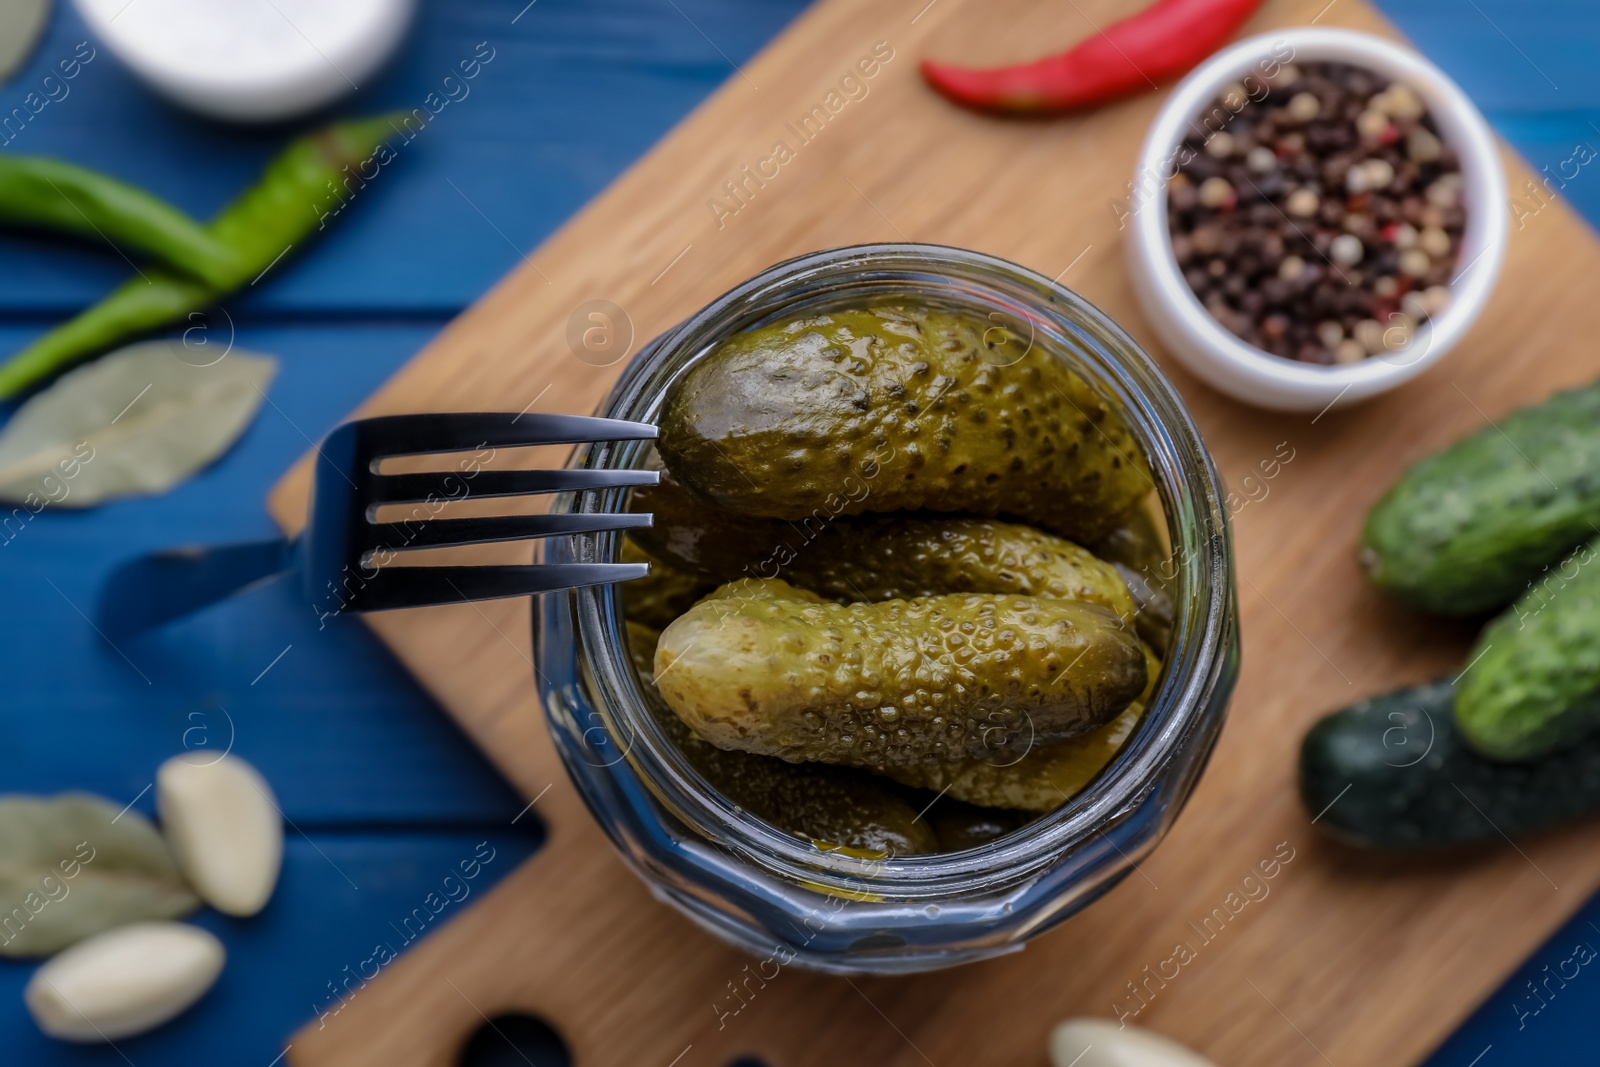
1164,39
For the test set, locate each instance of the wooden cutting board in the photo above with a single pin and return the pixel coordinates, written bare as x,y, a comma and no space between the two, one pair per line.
1348,959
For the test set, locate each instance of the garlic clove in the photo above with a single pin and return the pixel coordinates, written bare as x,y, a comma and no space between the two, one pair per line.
1101,1043
222,823
123,981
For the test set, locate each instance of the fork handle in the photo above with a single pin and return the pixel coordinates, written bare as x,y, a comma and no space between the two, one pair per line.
149,590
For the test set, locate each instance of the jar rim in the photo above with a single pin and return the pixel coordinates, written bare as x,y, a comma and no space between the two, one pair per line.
1181,712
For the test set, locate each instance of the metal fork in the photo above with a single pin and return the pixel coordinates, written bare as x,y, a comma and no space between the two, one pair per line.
345,556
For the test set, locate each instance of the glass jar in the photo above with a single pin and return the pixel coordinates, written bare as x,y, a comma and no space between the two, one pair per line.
779,896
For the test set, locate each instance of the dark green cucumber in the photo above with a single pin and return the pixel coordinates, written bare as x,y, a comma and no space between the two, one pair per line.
1392,772
1466,530
961,826
1532,685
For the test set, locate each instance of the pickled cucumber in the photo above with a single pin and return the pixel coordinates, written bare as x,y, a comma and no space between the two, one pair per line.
764,667
900,409
873,558
1136,549
1045,775
960,826
664,594
1049,775
894,558
830,806
1135,543
707,540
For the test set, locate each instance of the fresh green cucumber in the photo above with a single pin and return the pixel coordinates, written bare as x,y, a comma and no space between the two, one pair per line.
1466,530
1533,683
1392,772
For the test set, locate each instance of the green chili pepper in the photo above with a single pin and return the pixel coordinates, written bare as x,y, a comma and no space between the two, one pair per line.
49,194
298,191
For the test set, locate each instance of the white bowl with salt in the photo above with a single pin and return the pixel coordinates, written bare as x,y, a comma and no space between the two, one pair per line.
250,60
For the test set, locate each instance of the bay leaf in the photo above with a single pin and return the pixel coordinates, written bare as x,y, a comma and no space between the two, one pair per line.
21,22
75,864
133,423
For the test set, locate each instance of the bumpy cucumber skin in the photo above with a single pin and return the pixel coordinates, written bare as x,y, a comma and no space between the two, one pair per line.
1393,773
873,558
1533,684
1042,775
830,806
1464,531
899,409
764,667
1049,775
899,558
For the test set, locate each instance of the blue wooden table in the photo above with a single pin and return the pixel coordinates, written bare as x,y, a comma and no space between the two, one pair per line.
382,792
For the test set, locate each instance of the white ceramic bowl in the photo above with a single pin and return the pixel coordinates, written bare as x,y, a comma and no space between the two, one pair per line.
250,60
1240,369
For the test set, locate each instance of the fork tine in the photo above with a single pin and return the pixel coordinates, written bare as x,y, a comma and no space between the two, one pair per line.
457,485
415,587
343,549
438,533
410,435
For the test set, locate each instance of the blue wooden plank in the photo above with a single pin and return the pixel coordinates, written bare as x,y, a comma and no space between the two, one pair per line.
1510,55
574,93
1544,1013
1530,67
343,735
340,897
336,725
